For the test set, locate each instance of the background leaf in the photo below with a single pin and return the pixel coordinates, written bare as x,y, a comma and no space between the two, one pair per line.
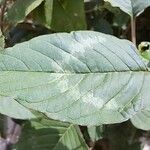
131,7
61,15
21,9
50,135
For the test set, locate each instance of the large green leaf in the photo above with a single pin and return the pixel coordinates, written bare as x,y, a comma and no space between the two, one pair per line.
84,77
21,9
66,15
51,135
132,7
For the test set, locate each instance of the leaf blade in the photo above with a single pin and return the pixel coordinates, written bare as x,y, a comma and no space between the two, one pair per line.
58,76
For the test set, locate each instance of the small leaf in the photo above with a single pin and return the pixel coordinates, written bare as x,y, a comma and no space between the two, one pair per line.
95,132
131,7
142,118
50,135
21,9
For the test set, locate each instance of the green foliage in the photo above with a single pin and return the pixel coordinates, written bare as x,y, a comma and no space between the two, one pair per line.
57,15
21,9
50,135
62,15
66,15
131,7
83,77
58,76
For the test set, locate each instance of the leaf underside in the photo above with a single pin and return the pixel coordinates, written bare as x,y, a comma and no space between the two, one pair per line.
82,77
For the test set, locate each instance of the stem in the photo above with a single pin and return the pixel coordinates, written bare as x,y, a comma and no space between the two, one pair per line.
2,15
133,29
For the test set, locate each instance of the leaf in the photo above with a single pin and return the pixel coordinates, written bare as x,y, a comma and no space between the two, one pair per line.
51,135
95,132
120,18
131,7
21,9
142,120
12,109
2,41
84,77
62,15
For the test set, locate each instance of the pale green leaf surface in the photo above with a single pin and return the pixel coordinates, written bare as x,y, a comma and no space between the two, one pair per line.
21,9
142,120
131,7
84,77
51,135
11,108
